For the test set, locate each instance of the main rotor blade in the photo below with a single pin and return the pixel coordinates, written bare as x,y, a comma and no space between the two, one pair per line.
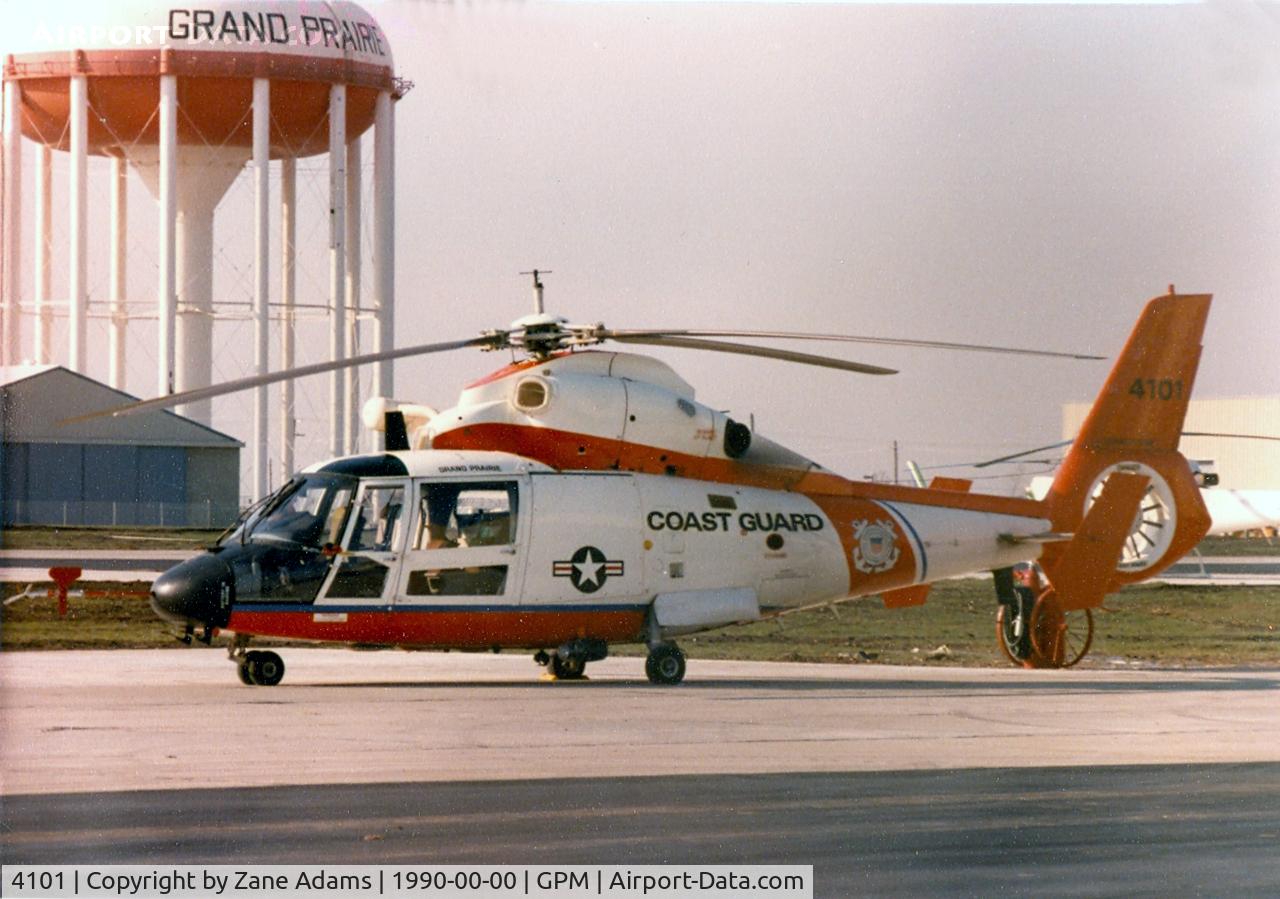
720,346
854,338
1051,446
288,374
1010,458
1234,436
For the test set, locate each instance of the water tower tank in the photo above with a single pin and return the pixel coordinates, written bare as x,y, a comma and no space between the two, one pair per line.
186,95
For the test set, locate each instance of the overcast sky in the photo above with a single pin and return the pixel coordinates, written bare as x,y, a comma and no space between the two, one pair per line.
1027,175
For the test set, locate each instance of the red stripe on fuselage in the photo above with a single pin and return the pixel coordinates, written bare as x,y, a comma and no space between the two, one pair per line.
457,629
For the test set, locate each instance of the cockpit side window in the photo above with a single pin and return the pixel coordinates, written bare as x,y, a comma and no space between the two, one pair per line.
464,514
309,514
379,522
337,516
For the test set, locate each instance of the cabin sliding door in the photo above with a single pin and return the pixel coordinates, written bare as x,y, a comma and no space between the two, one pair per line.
465,545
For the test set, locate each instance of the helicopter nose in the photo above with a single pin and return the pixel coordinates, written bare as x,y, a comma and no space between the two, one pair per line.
197,590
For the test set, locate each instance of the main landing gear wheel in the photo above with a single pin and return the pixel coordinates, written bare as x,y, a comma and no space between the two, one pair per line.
569,667
665,664
1013,630
1059,638
263,667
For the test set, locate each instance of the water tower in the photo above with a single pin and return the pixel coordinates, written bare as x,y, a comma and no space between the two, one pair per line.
186,95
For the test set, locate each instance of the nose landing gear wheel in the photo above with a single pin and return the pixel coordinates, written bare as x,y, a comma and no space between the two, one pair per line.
264,668
665,664
1059,638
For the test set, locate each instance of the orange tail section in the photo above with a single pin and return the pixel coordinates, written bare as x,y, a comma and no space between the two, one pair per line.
1133,428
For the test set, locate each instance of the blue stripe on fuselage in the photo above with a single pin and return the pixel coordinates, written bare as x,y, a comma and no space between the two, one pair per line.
911,532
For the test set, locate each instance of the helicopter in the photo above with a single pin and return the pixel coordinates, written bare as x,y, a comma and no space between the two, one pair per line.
580,498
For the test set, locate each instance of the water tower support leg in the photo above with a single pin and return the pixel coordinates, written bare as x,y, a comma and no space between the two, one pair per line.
78,235
351,388
384,236
262,271
168,229
44,251
119,229
10,348
288,237
337,259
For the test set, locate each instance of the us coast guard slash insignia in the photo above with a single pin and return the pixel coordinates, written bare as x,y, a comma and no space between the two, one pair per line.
588,569
876,550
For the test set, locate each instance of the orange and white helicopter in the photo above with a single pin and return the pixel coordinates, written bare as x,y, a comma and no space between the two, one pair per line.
581,498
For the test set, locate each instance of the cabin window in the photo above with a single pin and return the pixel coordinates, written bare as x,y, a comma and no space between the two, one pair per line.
359,577
483,580
466,514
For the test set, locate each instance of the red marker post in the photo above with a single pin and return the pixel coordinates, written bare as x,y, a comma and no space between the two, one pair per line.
63,578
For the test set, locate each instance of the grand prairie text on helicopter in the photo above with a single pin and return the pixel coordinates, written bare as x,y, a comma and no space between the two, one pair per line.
581,498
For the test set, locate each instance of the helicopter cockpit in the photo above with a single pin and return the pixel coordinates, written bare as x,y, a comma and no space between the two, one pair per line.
309,511
366,531
276,552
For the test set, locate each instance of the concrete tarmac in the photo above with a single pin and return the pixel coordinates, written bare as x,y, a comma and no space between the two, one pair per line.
888,780
168,719
1224,571
1182,830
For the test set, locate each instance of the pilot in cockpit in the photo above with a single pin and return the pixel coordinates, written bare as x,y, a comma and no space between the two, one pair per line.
437,511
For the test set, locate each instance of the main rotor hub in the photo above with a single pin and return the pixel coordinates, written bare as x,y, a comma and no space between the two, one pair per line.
542,334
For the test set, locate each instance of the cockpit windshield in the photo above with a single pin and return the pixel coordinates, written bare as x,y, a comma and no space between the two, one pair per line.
311,510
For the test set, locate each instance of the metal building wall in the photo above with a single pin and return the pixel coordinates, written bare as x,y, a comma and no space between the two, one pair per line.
118,485
155,469
1240,463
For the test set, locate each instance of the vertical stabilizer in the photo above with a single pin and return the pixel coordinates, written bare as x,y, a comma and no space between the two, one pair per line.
1134,428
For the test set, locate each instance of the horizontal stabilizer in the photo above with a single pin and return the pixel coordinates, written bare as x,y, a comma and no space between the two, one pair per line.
1044,537
956,485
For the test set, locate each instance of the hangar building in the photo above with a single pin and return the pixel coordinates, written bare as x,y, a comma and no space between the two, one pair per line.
155,468
1240,463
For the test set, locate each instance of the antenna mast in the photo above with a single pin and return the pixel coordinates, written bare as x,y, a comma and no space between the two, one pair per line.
537,288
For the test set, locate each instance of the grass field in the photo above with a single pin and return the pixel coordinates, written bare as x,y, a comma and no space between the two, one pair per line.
31,537
1146,625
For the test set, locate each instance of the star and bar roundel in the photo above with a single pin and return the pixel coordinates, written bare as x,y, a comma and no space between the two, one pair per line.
588,569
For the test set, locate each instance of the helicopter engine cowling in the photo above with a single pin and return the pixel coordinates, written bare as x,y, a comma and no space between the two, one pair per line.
610,411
